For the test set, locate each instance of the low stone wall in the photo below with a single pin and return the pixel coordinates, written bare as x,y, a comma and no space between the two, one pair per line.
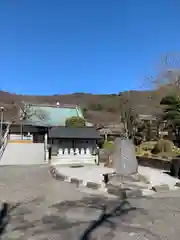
153,162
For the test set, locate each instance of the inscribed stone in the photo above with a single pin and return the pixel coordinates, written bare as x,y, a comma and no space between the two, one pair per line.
124,157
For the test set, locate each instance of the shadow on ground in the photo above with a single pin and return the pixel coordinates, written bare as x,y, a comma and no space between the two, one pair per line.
69,219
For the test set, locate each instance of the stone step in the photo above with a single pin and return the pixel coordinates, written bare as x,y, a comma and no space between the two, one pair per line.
72,161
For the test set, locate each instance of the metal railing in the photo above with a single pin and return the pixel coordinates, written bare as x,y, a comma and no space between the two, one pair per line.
4,141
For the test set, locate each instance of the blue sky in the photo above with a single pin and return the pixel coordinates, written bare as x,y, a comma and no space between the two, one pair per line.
95,46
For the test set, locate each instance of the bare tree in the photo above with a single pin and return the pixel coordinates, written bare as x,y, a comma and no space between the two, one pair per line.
11,112
128,116
165,82
27,112
168,71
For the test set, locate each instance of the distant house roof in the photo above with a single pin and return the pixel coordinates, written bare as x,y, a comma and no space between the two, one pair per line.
74,133
112,129
50,115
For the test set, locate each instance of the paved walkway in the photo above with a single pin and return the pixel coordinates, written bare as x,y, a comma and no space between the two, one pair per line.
92,177
51,209
89,173
23,183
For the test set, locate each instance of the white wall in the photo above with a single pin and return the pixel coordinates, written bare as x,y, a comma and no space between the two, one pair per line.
23,154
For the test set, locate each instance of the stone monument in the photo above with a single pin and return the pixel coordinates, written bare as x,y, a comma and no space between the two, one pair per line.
124,183
124,157
125,165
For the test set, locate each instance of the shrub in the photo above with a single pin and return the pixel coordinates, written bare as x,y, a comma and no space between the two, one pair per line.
111,138
163,146
148,146
75,122
176,150
107,145
147,154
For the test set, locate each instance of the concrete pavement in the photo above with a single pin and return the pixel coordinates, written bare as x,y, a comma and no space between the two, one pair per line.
51,209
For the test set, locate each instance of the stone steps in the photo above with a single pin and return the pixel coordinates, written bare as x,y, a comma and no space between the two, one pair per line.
72,160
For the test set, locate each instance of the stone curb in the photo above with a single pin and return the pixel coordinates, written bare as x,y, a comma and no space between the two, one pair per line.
125,192
93,185
52,171
76,181
129,192
161,188
177,184
113,190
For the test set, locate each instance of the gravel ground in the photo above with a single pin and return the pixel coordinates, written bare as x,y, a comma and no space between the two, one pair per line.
50,209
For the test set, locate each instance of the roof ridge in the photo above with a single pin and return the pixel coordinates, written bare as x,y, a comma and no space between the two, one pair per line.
61,105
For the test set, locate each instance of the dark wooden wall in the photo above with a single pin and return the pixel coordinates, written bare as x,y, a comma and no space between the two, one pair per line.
18,129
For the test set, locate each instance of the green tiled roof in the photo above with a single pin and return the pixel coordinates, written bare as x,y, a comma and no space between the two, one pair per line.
51,116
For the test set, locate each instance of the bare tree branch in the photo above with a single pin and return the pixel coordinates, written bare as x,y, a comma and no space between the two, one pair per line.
128,115
169,71
27,111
